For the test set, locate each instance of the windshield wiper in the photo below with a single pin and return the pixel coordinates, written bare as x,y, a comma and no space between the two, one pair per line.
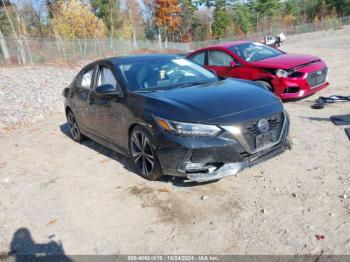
147,91
192,84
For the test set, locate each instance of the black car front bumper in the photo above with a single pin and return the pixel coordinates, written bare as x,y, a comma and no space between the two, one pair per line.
203,159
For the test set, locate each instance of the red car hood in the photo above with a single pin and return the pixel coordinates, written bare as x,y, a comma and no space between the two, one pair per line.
285,61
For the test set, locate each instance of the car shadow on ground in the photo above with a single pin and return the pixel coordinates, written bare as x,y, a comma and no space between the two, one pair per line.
126,161
182,182
24,248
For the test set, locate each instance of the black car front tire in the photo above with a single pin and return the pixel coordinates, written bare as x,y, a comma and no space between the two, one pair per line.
143,154
267,85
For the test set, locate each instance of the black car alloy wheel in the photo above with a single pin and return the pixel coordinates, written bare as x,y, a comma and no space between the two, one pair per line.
73,127
143,154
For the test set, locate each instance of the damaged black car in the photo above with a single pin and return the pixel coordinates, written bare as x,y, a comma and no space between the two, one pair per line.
173,117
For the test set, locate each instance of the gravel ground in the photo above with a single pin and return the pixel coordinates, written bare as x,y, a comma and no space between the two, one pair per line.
28,93
84,199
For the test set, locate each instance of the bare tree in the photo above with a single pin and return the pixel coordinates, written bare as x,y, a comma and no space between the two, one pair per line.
19,41
4,49
134,17
23,35
132,23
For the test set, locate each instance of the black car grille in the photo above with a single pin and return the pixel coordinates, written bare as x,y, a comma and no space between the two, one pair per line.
317,77
251,130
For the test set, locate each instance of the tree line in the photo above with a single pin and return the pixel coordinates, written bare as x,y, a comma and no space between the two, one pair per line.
164,20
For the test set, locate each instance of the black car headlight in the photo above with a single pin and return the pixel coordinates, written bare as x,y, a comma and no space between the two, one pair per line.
188,129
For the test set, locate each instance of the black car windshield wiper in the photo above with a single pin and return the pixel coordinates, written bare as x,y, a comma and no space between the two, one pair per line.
164,88
148,90
193,83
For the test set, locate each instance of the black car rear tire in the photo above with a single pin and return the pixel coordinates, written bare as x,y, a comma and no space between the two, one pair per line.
74,129
143,154
267,85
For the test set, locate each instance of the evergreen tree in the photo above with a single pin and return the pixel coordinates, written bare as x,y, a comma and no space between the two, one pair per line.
242,17
188,19
221,21
264,9
109,12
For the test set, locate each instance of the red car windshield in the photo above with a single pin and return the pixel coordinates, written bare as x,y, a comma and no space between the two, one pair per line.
254,51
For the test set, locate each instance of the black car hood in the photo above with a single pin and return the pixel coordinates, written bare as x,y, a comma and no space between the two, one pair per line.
215,102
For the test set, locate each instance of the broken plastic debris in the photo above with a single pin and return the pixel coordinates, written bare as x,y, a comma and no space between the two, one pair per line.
51,222
344,196
164,189
320,237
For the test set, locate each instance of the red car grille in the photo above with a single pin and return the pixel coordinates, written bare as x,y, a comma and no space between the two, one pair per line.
317,77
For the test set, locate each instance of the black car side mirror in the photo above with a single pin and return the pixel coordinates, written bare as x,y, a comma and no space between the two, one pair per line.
106,89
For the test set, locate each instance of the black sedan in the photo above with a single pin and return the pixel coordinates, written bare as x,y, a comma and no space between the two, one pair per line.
173,117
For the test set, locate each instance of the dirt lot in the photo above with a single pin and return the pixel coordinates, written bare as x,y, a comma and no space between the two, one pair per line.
85,199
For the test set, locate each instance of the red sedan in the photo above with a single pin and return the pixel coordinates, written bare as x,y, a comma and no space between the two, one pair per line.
289,76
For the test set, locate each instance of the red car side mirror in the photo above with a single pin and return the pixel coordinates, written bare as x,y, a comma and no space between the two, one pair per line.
233,64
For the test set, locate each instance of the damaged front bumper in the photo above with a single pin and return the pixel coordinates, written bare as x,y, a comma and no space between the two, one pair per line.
224,171
212,158
233,168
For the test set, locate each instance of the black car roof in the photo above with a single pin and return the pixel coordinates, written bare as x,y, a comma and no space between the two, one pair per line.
136,58
131,58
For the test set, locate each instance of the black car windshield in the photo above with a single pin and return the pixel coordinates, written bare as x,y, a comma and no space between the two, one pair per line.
163,73
254,51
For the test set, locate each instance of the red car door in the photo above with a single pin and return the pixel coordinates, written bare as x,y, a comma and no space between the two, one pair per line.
224,64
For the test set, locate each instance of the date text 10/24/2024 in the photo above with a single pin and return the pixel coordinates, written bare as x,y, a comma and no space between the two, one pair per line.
173,258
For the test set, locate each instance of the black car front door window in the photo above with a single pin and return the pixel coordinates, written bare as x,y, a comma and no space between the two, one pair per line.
106,115
86,79
106,76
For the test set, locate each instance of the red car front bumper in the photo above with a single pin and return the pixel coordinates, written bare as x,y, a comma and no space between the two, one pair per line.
309,80
293,89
